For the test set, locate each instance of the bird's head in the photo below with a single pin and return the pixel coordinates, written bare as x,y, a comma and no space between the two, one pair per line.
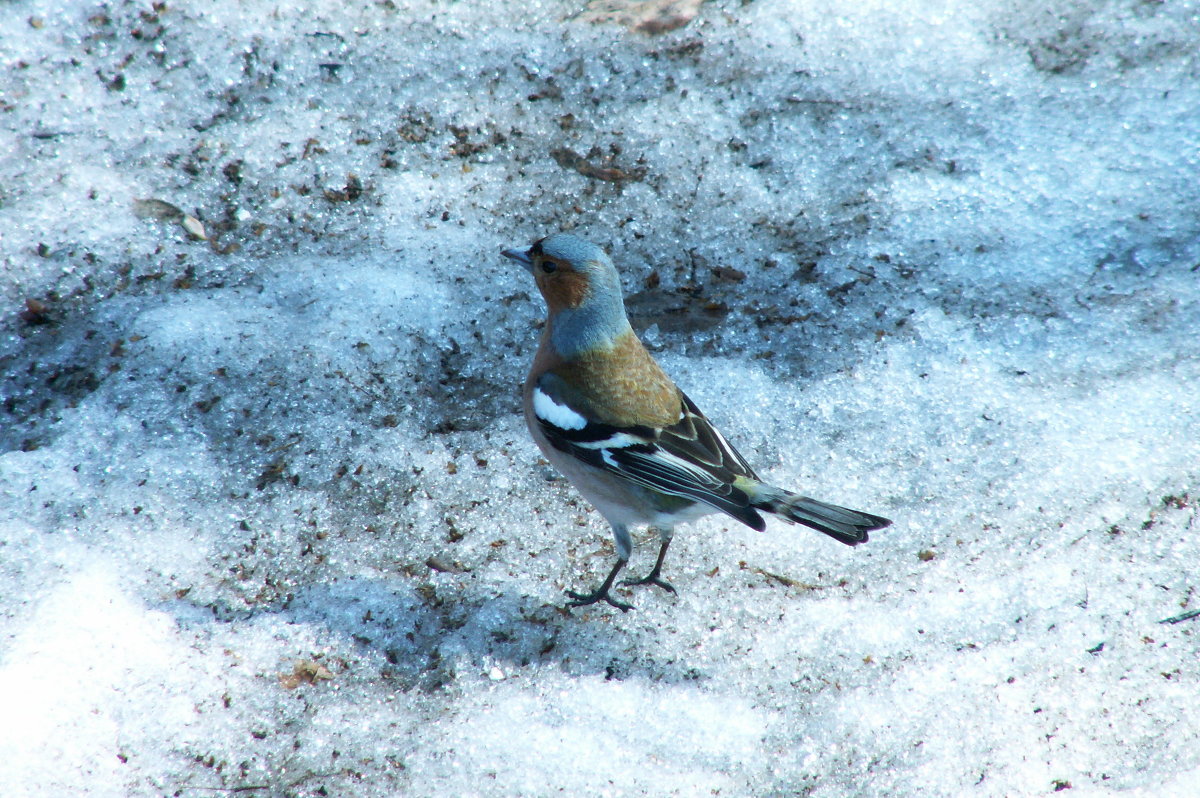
580,286
569,271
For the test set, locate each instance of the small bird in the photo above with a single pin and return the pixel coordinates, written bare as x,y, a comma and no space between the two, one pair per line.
606,415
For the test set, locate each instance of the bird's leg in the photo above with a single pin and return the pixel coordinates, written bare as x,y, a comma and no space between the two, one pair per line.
652,577
601,593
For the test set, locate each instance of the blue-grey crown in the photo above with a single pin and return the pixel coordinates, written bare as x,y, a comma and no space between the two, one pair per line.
572,249
601,318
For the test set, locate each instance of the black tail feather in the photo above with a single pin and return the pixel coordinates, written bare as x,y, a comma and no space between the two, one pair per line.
840,523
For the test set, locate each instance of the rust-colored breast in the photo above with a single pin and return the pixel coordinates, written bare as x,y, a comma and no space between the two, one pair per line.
624,385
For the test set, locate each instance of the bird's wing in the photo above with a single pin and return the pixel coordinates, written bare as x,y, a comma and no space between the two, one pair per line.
689,459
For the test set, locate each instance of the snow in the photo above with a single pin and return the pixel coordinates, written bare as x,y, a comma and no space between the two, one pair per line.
270,521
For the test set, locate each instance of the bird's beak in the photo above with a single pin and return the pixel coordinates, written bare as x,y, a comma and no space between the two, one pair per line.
521,256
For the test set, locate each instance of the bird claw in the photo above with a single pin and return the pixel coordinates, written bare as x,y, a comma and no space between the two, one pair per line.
596,596
652,579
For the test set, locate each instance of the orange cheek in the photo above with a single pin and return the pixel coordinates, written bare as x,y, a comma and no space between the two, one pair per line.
563,289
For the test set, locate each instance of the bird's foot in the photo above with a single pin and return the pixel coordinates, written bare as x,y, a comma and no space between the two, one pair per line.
651,579
599,594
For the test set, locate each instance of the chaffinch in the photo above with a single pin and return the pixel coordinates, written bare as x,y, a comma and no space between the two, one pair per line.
608,417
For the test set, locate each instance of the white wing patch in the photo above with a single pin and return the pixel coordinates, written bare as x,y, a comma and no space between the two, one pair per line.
618,440
552,412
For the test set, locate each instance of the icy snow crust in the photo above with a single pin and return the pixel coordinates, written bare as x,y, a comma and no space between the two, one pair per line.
270,521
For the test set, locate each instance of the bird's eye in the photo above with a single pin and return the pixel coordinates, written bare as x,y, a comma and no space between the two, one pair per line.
549,266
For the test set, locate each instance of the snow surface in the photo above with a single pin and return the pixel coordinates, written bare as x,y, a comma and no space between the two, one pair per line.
270,522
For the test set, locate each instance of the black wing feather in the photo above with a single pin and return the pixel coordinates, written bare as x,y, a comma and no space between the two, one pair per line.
688,459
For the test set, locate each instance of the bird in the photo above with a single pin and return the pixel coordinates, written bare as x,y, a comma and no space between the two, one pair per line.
611,421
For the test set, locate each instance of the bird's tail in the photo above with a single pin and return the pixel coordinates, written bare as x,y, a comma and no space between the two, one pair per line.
848,526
